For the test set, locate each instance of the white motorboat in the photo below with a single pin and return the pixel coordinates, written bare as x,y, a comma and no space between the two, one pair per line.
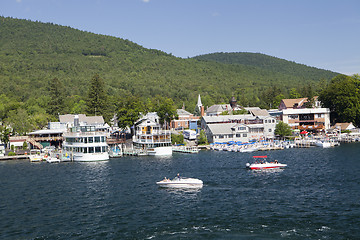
181,182
263,164
36,155
323,144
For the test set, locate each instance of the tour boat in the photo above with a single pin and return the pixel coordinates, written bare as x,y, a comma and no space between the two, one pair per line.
181,182
150,138
85,144
263,164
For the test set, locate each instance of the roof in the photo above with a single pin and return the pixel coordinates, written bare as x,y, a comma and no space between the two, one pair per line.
223,128
256,111
289,103
217,108
69,118
47,131
228,118
182,112
344,126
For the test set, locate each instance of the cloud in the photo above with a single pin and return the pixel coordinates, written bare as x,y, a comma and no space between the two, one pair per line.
18,1
146,1
215,14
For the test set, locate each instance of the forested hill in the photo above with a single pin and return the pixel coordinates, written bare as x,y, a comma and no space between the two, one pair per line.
34,53
267,62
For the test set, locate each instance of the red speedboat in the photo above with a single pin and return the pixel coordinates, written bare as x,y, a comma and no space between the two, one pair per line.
261,163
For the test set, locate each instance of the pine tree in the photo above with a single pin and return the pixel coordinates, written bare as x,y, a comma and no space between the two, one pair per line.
56,103
96,104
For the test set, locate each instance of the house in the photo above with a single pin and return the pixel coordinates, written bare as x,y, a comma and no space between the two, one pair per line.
238,127
216,110
184,118
298,103
309,119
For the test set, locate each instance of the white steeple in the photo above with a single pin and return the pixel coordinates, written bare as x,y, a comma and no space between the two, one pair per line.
199,104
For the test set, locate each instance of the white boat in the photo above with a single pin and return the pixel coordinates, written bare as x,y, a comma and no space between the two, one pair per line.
249,149
115,151
36,155
181,182
150,138
263,164
323,144
85,144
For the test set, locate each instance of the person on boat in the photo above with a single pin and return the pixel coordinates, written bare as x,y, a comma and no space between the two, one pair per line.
276,161
178,176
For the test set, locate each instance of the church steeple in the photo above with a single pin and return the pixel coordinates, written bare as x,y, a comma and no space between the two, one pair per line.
199,104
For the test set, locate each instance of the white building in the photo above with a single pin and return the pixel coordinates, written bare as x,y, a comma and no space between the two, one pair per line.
238,127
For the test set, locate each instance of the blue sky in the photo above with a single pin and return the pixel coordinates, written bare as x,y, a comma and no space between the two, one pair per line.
318,33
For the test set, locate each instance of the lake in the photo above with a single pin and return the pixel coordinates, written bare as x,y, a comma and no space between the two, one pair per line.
316,197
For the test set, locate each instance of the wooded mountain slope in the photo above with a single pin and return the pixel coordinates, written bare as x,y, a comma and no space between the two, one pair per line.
34,53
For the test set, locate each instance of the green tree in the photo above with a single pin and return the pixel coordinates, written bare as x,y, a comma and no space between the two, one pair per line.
177,139
282,129
342,97
5,134
165,109
19,121
97,99
294,93
202,138
56,102
129,109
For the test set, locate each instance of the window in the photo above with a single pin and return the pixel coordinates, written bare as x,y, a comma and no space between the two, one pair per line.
270,130
221,136
91,139
97,149
91,149
97,139
238,135
244,135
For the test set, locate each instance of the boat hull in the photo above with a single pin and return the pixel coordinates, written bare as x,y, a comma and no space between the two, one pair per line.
266,166
91,157
182,183
160,151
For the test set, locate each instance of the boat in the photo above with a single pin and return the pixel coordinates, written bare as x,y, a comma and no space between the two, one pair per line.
36,155
323,144
85,144
180,182
151,138
115,151
263,164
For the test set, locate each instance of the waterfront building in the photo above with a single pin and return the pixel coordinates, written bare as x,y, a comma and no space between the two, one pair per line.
241,128
309,119
150,137
297,114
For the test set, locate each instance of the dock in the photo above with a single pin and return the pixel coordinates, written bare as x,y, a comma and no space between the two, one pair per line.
16,157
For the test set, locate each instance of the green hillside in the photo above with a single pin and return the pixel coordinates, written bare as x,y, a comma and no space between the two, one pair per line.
34,53
267,62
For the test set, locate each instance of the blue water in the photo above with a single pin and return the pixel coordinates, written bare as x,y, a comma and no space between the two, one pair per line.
316,197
